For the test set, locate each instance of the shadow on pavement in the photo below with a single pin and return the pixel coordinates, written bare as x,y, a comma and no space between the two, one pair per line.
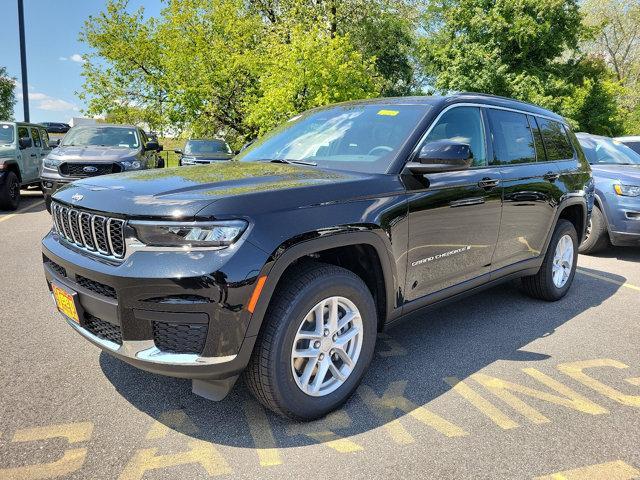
456,340
628,254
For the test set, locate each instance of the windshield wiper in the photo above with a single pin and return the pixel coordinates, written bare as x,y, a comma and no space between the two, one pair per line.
297,162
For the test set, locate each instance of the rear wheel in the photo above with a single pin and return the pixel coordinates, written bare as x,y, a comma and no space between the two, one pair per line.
10,192
597,236
553,280
316,344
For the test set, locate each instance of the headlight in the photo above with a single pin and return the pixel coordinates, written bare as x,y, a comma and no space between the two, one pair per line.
197,234
52,163
131,165
627,190
188,161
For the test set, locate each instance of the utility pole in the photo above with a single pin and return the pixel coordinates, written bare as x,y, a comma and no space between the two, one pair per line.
23,62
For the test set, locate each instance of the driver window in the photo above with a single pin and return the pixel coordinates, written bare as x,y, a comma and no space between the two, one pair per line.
462,125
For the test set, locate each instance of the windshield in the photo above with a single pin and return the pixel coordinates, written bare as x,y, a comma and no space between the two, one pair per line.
362,138
6,134
195,147
102,136
606,151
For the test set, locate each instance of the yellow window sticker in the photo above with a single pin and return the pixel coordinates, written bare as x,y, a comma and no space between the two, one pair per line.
388,113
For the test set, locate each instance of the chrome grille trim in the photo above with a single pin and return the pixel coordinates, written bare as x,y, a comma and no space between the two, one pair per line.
101,235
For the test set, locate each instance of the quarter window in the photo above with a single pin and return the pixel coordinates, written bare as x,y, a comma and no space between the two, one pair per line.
556,141
36,137
512,138
537,138
463,125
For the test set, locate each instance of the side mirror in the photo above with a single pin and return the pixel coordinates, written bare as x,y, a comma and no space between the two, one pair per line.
442,156
160,148
151,145
25,142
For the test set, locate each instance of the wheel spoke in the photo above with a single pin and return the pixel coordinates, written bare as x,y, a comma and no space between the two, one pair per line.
306,335
346,359
344,339
335,371
332,320
308,371
305,353
346,319
323,367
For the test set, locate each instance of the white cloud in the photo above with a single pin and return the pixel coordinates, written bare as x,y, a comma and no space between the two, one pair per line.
76,57
56,105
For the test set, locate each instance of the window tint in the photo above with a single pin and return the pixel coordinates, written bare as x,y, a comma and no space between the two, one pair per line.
35,134
512,138
23,132
463,125
537,137
556,141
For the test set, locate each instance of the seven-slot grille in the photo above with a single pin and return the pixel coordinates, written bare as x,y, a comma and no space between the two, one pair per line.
94,233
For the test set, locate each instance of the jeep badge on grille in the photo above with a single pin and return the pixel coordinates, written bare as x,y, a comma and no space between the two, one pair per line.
77,197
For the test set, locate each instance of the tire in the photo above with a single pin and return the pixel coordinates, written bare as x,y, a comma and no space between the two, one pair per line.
598,234
10,192
47,202
542,285
270,374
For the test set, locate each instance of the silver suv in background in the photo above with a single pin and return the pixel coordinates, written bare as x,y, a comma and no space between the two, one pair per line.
91,150
22,148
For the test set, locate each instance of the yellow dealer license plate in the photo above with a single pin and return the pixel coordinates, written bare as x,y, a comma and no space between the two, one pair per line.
65,303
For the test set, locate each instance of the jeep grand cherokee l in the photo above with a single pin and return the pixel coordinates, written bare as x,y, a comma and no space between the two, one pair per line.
284,263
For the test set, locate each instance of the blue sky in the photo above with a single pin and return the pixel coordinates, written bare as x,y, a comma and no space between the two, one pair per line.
53,52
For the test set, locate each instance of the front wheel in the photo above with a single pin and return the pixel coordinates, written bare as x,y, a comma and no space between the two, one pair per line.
597,236
10,192
316,344
553,280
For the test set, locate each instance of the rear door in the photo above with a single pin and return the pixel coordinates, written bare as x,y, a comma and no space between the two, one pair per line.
454,217
39,152
530,192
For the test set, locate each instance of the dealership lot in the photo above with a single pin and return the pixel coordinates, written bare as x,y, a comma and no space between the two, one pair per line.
495,386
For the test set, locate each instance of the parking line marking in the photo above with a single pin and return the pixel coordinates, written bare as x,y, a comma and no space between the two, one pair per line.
26,209
617,470
607,279
260,430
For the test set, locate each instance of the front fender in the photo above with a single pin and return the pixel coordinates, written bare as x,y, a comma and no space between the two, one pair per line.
289,251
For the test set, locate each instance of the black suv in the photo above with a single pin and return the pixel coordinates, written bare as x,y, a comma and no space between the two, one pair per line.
286,262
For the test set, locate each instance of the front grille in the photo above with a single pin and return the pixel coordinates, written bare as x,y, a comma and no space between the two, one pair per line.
102,329
59,269
97,287
94,233
69,169
179,337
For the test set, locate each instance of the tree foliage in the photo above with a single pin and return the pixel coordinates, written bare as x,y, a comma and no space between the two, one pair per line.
526,49
7,95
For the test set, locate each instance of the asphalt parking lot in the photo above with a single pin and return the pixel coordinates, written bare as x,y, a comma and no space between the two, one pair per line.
495,386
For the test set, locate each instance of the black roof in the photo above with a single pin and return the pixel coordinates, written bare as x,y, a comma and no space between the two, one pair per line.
471,97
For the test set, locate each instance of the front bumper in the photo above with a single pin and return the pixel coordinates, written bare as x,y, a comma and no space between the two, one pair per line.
624,221
146,309
52,182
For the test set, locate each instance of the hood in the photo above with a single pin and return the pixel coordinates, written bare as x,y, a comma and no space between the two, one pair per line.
624,173
208,156
181,192
92,153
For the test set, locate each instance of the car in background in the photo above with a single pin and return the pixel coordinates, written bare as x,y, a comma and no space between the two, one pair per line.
91,150
56,127
22,148
616,213
631,141
203,151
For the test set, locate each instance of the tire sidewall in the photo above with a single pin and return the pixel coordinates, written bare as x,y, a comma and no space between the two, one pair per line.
592,243
564,228
285,387
11,180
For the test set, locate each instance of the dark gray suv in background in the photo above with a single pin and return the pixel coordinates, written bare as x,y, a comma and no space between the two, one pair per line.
91,150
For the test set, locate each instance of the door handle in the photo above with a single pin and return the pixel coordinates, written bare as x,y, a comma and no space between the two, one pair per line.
488,182
551,176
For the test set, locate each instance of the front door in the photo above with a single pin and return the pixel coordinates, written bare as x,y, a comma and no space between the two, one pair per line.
28,156
454,217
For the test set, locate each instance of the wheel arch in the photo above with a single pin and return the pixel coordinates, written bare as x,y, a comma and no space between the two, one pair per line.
12,166
382,284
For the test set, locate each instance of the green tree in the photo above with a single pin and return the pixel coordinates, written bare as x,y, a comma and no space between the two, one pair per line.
228,67
526,49
7,95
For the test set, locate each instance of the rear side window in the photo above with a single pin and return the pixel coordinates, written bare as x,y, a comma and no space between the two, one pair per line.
462,125
537,138
35,134
556,141
512,138
45,138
